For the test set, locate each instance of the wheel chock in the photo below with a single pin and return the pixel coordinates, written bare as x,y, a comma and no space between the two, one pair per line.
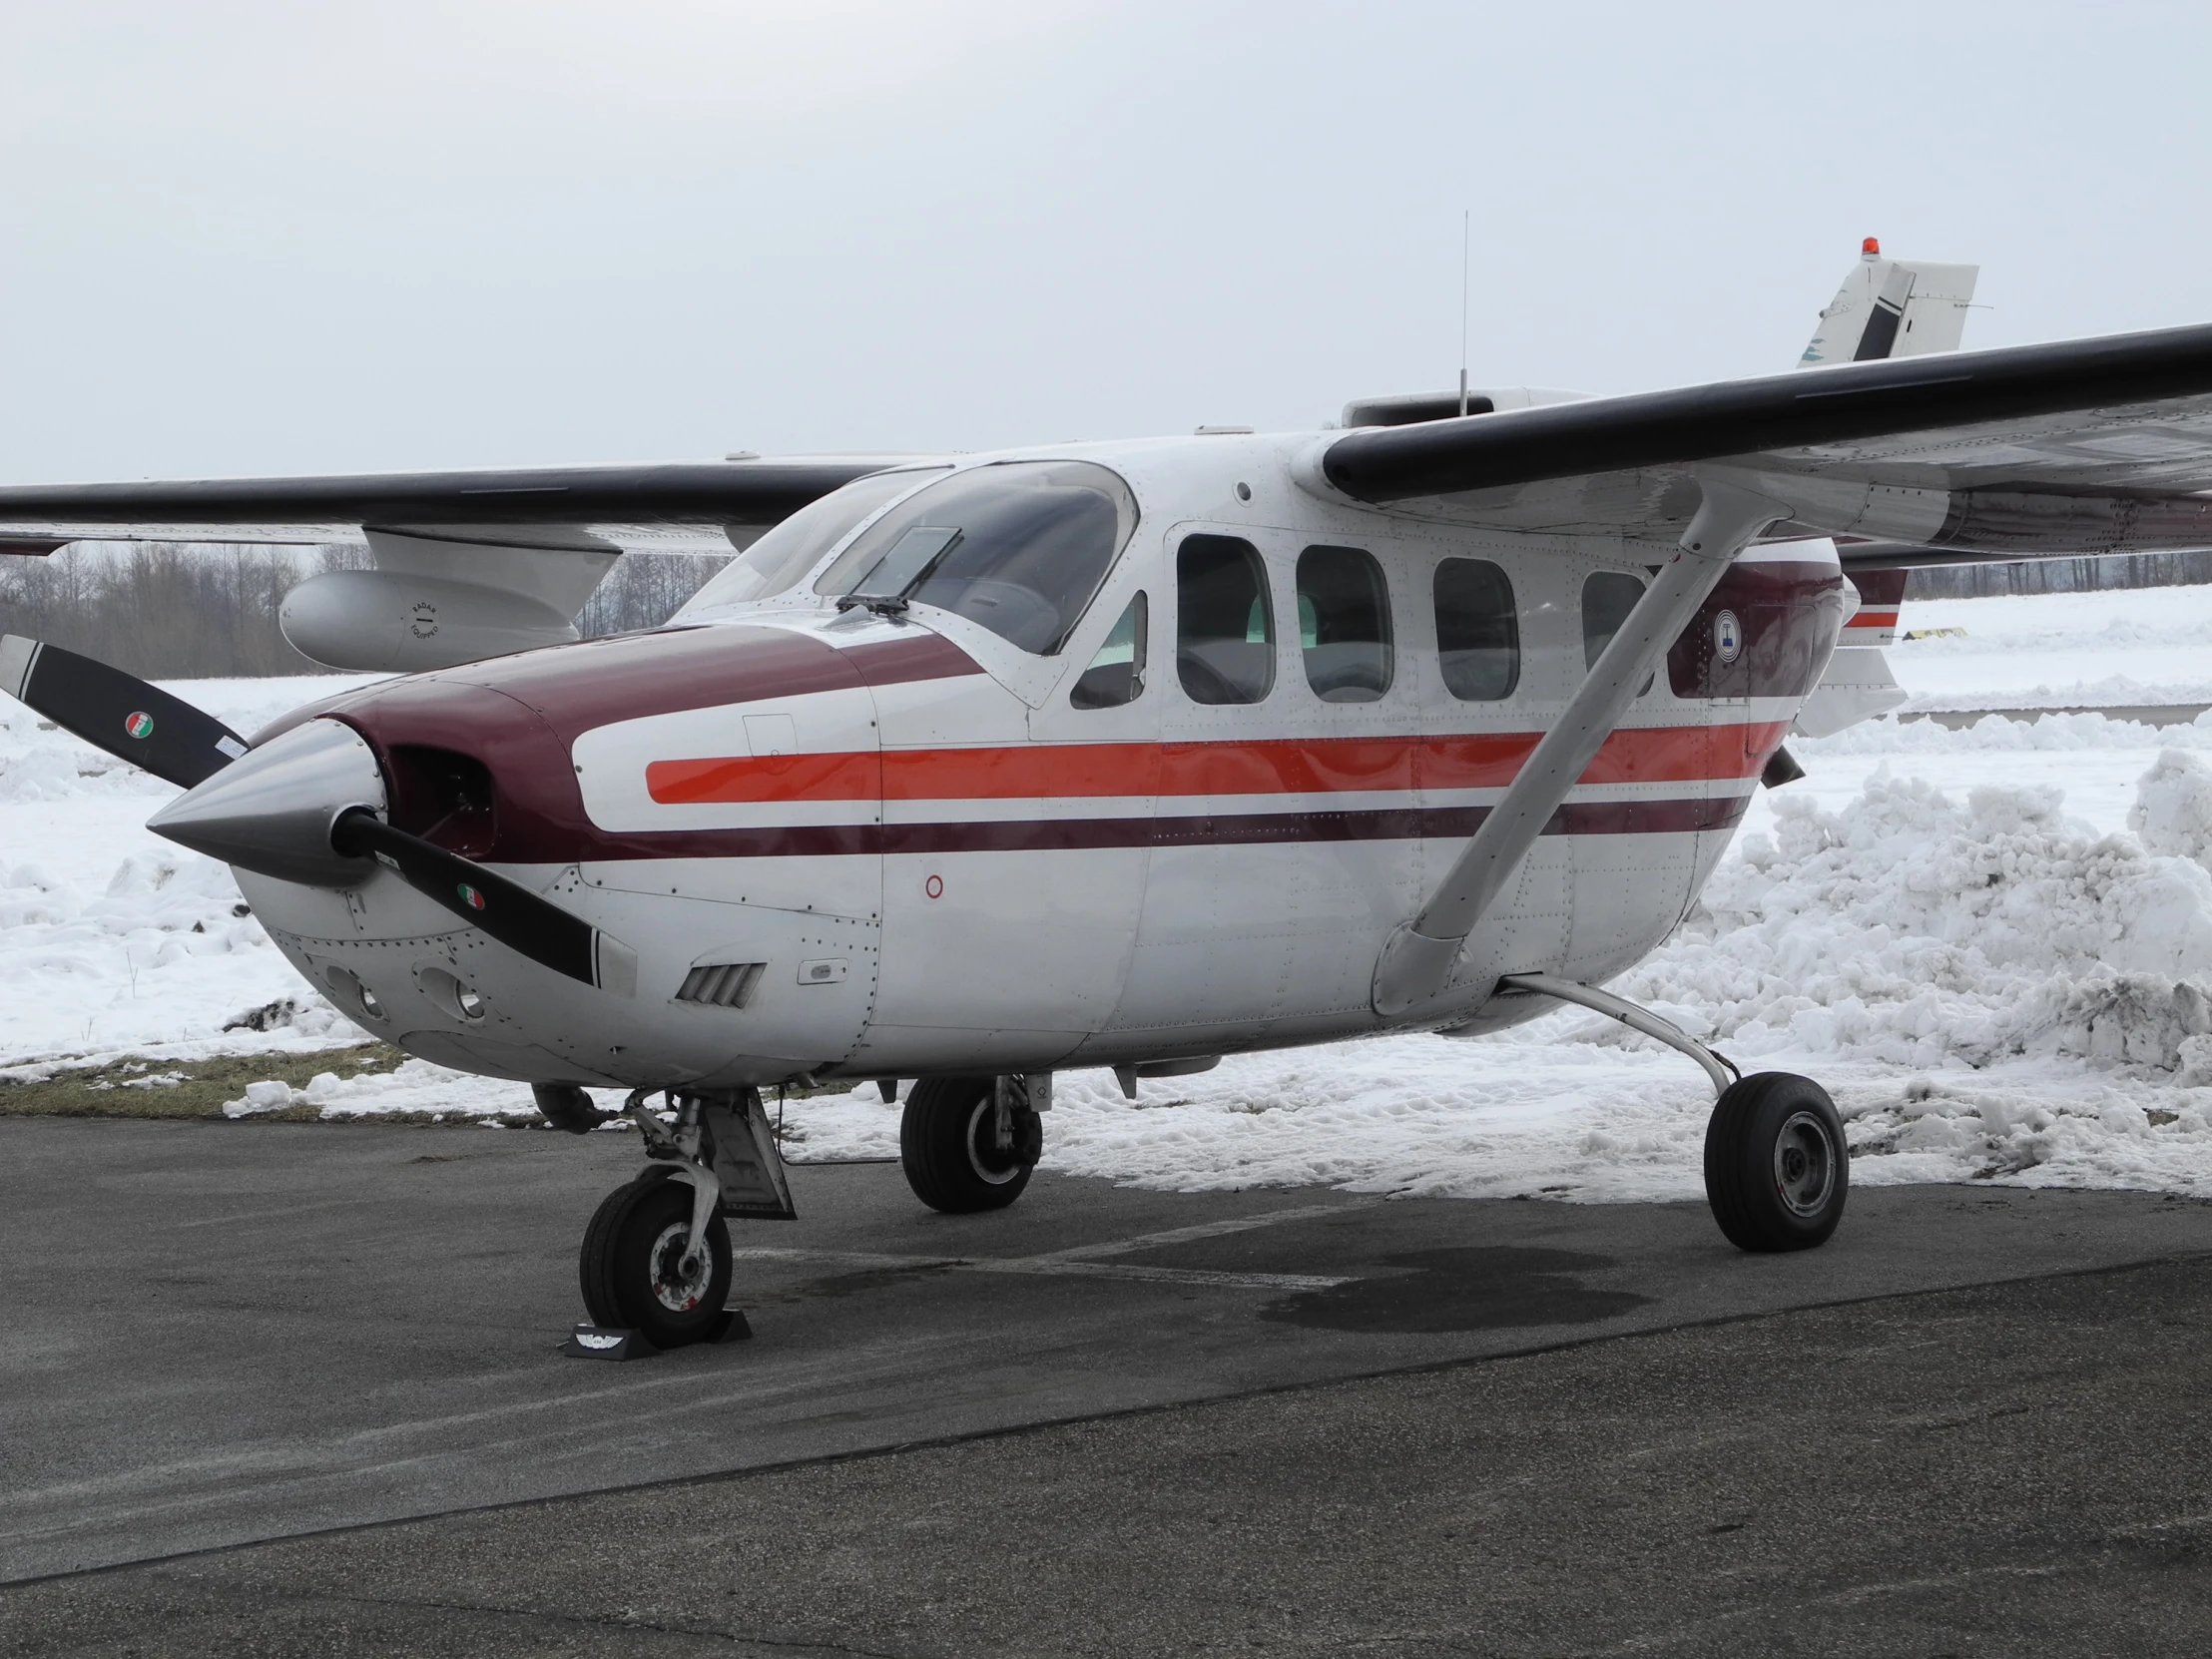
610,1342
606,1342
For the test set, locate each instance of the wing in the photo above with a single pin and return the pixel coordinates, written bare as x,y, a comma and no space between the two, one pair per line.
684,507
2084,446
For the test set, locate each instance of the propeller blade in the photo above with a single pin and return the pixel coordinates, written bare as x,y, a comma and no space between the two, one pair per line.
517,917
117,712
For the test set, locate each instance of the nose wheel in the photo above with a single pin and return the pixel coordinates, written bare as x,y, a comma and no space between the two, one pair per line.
965,1146
633,1269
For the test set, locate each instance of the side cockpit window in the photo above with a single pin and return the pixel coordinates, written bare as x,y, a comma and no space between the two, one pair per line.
1018,548
1116,672
1477,630
1224,621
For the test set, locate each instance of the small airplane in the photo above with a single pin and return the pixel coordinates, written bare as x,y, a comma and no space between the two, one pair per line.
968,769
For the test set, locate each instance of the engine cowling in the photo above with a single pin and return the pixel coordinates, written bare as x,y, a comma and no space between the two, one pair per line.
394,622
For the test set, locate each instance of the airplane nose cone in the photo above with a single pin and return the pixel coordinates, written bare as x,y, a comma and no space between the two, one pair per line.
270,810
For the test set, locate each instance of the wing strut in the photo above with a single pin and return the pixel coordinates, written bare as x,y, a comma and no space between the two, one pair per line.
1415,963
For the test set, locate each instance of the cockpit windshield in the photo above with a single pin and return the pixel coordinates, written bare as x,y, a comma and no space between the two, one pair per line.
779,560
1018,547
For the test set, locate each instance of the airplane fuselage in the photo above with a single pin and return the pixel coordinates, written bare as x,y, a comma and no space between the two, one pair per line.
917,839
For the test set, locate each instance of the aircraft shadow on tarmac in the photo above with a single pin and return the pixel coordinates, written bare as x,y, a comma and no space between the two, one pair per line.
1469,1288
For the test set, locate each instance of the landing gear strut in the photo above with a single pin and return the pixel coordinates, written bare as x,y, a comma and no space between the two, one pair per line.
1777,1170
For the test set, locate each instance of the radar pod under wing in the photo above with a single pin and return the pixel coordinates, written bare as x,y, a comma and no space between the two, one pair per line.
117,712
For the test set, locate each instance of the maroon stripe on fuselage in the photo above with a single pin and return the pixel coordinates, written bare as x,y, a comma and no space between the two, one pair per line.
1592,817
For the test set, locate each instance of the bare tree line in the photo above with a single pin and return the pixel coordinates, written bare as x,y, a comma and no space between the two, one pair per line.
169,612
2130,570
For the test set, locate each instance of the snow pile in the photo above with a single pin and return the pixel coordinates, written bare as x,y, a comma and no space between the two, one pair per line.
2048,733
1913,930
412,1086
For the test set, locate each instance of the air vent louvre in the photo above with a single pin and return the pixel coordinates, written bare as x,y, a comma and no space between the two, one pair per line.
720,985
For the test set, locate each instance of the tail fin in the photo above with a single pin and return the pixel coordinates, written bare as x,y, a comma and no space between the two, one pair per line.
1892,309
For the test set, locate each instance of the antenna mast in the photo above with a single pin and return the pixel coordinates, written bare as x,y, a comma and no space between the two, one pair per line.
1466,218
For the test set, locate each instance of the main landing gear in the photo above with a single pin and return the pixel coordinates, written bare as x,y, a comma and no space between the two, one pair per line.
1777,1170
969,1143
656,1257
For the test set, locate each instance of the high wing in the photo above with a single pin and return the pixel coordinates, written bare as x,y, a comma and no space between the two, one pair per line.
703,507
2082,446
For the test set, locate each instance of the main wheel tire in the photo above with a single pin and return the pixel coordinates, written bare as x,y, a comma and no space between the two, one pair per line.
947,1145
1777,1170
631,1266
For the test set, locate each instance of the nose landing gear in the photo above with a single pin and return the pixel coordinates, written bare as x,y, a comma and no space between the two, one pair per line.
637,1270
656,1257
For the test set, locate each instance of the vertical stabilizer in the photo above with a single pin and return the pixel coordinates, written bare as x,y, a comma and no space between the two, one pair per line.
1892,309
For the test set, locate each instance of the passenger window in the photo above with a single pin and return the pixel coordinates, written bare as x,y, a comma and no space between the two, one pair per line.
1116,673
1608,598
1344,620
1478,631
1224,627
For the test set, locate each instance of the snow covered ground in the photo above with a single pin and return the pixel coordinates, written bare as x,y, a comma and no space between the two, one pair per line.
2060,650
1994,946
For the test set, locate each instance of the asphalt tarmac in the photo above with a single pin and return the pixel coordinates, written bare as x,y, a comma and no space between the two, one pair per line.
275,1388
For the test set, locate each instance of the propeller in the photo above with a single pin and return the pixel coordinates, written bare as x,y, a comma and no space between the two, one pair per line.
293,809
114,711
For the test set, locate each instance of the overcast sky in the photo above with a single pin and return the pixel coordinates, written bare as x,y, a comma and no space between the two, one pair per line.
268,238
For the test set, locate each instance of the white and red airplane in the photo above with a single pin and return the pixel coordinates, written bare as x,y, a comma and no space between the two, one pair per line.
1128,754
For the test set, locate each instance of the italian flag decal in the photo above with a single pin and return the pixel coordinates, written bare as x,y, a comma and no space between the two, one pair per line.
470,897
139,725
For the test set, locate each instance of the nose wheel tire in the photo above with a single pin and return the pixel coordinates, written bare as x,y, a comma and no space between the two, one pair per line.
948,1145
632,1270
1777,1170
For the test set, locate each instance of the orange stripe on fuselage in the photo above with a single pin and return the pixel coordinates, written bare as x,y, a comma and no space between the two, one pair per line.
1316,766
1874,619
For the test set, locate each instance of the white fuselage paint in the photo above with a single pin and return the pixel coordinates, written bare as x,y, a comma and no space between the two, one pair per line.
968,873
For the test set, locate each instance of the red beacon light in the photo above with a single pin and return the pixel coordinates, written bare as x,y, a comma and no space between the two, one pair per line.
1872,246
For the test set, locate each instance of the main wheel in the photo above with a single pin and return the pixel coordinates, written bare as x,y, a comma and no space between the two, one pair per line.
948,1146
631,1269
1777,1170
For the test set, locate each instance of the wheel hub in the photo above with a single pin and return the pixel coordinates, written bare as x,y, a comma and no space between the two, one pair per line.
1804,1164
674,1289
993,1163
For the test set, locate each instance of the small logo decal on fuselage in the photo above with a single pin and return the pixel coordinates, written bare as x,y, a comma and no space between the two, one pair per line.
1728,637
138,725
